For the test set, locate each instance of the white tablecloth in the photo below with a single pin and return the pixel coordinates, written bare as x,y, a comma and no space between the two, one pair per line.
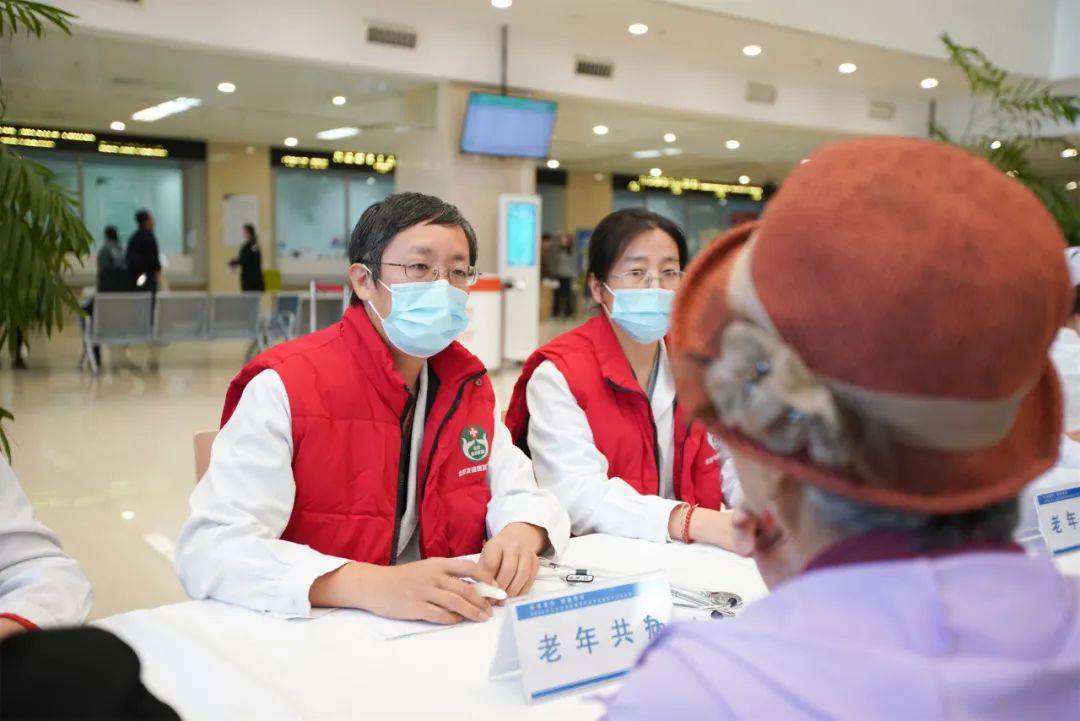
212,661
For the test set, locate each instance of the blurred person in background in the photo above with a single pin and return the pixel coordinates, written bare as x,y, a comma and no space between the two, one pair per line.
564,268
143,255
249,260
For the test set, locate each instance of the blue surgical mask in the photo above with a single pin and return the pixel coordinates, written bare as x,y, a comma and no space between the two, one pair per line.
644,313
424,317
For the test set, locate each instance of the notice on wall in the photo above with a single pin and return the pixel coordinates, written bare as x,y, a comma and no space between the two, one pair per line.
236,211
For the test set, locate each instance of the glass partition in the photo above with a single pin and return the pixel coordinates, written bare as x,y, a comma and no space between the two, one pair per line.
114,192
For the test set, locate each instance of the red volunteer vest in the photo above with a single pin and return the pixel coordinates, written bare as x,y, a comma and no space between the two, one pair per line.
347,403
619,415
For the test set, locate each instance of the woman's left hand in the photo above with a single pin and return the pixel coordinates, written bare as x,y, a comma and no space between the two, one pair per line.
512,556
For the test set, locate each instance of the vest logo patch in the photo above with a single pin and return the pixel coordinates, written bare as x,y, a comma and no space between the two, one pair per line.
474,443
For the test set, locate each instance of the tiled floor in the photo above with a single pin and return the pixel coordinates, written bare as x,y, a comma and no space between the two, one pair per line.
108,461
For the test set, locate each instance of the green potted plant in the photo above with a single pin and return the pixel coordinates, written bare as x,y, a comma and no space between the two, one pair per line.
42,236
1004,124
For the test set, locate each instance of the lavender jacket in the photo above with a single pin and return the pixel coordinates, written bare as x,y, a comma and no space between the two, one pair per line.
988,636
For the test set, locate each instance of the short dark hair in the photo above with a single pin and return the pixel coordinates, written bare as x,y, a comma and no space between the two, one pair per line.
614,233
111,234
382,221
141,216
251,229
1076,300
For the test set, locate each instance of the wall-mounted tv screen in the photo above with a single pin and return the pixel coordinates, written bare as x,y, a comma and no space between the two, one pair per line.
508,126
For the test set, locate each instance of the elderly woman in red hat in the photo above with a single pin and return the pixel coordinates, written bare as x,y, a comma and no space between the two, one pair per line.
885,405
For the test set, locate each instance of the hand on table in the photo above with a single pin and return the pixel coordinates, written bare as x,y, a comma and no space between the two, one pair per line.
428,590
761,539
707,526
512,557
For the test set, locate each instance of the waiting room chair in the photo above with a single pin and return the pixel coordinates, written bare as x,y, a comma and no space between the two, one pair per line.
181,317
119,319
284,321
235,316
327,302
204,441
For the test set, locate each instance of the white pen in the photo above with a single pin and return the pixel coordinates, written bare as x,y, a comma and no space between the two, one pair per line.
486,590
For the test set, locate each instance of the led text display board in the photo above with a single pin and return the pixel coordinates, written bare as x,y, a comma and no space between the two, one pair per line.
92,141
337,159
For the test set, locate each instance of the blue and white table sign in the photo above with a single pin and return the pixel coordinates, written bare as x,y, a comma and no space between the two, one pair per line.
1059,519
578,638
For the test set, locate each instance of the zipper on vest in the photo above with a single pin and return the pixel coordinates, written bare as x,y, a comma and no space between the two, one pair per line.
403,480
474,378
652,423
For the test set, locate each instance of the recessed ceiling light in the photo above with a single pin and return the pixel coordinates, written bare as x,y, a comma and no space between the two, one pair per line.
338,100
117,125
670,137
928,83
804,161
638,29
1068,153
127,515
553,163
646,154
501,4
995,145
291,141
1072,185
751,51
598,177
600,129
847,68
164,110
744,179
655,172
732,144
337,133
671,151
226,87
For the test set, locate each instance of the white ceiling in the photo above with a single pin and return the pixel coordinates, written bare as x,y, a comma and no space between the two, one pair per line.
90,80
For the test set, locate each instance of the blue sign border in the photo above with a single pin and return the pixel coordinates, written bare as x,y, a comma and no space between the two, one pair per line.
566,604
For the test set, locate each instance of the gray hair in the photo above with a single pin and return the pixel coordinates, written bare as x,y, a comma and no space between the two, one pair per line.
993,524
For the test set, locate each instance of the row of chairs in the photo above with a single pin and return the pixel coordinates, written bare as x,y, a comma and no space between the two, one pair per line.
123,319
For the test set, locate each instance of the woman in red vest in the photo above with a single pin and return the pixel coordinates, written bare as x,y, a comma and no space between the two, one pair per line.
596,407
353,463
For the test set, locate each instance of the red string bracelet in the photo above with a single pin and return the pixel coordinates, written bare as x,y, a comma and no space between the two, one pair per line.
686,523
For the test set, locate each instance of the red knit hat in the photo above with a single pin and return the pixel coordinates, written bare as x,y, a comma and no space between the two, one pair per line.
882,331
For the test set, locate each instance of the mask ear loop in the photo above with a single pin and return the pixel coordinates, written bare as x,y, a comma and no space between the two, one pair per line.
609,290
371,304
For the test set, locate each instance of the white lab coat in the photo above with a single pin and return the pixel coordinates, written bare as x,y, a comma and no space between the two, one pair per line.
568,462
38,581
231,547
1065,354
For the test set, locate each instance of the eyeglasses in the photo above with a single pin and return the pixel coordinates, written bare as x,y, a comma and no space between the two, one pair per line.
460,277
668,279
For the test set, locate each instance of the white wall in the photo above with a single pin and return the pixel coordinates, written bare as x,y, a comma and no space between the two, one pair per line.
1018,34
1067,40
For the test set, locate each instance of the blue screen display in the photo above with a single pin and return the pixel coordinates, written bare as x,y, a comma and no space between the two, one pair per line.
502,125
521,234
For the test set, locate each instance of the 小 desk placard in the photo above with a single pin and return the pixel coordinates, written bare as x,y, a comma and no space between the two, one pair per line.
1059,519
578,638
